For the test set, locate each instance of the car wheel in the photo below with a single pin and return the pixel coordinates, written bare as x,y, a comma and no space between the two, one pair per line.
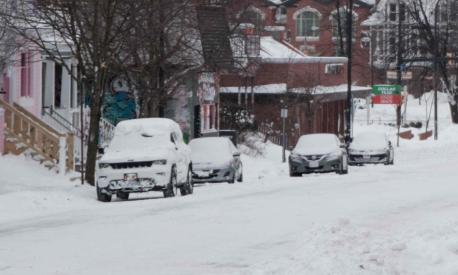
122,195
232,180
169,191
387,162
101,196
343,167
240,178
294,174
187,188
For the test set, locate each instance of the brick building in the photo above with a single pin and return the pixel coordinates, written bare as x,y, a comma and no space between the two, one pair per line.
312,27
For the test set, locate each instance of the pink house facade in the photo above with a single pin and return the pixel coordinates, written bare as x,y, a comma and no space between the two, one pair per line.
43,87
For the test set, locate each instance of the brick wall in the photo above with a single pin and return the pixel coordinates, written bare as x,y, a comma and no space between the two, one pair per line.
326,45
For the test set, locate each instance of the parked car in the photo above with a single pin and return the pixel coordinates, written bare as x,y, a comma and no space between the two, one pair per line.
215,159
145,155
370,147
318,153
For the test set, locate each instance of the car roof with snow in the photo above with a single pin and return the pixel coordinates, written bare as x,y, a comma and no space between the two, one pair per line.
148,125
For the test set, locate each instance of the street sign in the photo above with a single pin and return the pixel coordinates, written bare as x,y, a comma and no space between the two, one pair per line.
386,94
284,113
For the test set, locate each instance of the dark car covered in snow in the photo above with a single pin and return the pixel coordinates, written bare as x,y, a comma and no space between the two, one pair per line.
370,147
318,153
215,159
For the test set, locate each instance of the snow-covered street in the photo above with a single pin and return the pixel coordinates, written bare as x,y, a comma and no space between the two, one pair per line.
378,219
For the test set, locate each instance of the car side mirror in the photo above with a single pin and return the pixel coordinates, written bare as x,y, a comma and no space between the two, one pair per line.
236,154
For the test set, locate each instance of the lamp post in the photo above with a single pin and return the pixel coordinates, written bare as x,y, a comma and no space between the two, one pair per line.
284,115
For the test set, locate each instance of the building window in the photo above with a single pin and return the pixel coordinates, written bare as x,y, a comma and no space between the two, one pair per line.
339,24
308,24
25,75
281,15
392,12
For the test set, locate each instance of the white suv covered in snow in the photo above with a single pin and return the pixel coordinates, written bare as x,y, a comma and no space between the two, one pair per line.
145,155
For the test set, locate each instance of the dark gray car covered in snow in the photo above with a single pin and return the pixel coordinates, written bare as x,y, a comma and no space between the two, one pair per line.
215,159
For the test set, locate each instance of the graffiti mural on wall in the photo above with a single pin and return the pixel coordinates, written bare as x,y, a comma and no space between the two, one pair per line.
119,103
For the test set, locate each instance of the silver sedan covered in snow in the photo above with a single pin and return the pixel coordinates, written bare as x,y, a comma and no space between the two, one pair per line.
215,159
370,147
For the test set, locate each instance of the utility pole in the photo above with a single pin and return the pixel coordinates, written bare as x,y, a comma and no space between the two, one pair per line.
399,70
436,126
349,75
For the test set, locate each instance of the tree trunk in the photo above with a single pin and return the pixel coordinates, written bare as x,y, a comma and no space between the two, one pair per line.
454,109
94,131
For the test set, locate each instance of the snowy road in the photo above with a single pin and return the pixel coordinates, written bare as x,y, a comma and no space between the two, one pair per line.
375,220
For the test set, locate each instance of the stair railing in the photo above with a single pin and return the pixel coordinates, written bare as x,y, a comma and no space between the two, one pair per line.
28,130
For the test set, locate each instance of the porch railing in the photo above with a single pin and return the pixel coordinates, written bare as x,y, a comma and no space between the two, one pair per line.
25,130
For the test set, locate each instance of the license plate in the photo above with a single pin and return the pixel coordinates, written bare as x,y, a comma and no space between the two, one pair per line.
366,157
314,164
130,177
203,173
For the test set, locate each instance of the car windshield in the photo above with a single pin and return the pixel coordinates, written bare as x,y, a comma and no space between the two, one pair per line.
208,149
369,141
316,144
138,139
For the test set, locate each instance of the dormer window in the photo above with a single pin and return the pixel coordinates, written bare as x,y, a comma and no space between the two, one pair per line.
281,15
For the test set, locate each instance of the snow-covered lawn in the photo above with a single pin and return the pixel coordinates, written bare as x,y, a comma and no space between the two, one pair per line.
399,219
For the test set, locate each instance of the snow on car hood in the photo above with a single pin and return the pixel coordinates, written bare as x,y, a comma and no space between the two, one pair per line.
317,144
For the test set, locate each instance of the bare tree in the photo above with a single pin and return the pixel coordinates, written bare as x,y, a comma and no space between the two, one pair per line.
87,30
437,31
161,48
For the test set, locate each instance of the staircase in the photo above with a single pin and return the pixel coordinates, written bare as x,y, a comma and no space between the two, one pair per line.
27,134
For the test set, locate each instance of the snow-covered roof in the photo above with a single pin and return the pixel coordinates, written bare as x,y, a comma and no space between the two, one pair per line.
271,48
273,51
282,88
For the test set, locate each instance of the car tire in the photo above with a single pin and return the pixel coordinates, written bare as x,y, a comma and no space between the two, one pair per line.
169,191
103,197
240,179
232,180
187,188
294,174
343,168
122,195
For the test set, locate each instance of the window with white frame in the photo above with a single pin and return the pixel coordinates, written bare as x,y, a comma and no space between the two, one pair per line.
308,24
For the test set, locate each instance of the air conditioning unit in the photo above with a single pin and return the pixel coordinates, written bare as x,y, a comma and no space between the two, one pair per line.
333,68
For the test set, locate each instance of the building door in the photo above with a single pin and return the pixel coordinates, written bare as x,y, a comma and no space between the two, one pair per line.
58,86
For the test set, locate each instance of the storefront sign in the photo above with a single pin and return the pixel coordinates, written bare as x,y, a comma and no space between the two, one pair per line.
386,94
207,88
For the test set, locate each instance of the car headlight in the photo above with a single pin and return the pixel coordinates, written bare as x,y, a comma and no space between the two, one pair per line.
103,165
160,162
295,157
333,156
